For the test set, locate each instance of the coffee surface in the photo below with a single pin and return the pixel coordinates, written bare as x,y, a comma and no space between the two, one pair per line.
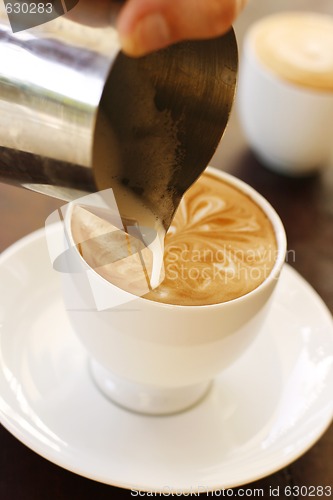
298,47
220,246
121,258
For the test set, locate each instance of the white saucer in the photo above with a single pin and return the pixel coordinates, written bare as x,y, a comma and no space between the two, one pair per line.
261,414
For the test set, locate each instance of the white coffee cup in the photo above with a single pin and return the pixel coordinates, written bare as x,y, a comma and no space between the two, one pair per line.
159,358
285,107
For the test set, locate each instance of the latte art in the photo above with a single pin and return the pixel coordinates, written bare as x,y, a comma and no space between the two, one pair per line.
220,246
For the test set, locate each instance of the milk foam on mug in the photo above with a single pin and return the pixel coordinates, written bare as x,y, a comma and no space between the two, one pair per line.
286,91
220,246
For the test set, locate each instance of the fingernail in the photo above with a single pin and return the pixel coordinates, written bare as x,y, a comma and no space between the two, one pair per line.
150,33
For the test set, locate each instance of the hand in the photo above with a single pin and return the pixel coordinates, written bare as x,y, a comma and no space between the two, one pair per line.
148,25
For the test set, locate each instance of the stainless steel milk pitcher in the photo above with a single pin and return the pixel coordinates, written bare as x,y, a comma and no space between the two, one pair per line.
76,113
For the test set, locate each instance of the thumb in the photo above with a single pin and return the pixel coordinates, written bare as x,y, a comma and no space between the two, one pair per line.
148,25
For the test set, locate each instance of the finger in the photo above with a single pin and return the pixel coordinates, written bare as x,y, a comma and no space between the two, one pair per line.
147,25
97,13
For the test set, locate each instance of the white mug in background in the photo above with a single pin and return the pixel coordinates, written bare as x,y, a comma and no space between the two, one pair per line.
285,94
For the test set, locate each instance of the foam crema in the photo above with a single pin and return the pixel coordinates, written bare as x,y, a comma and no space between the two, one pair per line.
297,47
220,246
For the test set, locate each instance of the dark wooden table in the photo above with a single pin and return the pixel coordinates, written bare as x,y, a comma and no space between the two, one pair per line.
306,208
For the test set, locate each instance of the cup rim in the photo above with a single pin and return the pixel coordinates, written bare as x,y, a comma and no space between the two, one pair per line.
255,196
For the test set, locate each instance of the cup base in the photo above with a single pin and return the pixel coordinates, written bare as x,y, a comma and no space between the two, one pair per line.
146,399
